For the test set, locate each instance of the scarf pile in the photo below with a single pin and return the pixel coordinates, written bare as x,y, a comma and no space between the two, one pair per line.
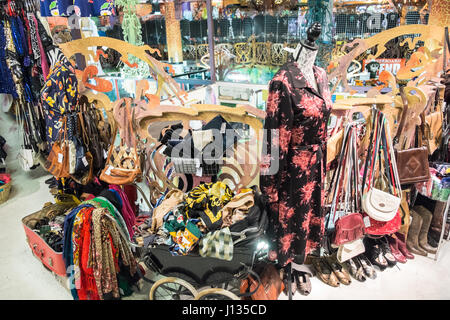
95,244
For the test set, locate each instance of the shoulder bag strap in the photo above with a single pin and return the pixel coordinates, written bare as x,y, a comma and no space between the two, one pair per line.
403,119
335,182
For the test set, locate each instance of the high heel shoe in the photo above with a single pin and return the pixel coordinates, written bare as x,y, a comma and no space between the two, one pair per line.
375,254
355,269
393,244
303,282
401,241
387,253
369,270
324,273
340,272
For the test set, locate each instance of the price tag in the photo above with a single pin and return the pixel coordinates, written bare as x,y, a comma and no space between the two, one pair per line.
84,161
199,172
367,221
223,128
60,157
105,154
197,163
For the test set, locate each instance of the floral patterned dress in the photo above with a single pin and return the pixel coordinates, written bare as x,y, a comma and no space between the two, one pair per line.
295,192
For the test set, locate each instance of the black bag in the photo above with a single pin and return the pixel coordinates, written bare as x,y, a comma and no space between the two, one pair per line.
254,225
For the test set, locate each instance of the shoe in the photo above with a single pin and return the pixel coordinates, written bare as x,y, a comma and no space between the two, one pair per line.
427,216
412,243
433,238
402,245
375,254
50,180
393,244
342,274
369,270
283,275
303,282
324,273
387,253
355,269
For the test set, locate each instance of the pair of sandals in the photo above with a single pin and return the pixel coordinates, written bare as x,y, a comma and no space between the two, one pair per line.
300,281
331,272
360,268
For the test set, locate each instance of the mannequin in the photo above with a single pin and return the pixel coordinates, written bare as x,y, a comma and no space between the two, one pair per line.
306,52
298,107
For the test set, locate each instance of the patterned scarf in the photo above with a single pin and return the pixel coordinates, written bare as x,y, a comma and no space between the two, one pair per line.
108,246
6,81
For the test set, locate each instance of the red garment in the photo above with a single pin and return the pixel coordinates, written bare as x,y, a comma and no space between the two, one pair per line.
88,289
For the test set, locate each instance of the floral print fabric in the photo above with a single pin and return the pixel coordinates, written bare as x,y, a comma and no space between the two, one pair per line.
295,193
59,95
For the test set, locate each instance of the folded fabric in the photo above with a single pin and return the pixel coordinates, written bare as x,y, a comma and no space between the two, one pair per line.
126,209
237,208
171,200
206,201
185,238
217,244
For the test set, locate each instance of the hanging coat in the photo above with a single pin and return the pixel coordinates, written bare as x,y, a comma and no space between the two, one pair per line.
295,191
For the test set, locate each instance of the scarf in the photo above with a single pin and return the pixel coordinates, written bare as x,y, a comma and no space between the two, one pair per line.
88,287
108,246
6,81
127,211
67,245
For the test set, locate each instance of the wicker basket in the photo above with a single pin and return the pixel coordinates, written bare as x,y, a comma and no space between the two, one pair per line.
6,188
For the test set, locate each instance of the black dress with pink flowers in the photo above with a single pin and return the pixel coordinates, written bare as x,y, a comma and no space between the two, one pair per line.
295,192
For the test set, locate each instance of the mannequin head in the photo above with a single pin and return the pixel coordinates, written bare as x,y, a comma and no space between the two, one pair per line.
306,51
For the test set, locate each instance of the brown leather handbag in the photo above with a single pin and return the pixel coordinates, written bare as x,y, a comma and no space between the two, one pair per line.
58,159
269,287
123,164
412,164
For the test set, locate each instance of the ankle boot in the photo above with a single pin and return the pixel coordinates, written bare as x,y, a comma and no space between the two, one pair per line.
427,216
412,243
402,245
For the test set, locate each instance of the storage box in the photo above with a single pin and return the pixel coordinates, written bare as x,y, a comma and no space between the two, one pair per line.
51,259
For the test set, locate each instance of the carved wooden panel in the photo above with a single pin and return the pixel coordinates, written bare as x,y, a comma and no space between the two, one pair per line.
239,170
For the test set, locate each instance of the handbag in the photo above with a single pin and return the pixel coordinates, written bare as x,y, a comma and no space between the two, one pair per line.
349,226
26,154
349,250
378,204
412,163
58,159
269,287
84,172
88,127
123,164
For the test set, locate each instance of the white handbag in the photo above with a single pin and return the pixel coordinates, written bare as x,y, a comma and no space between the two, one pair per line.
378,204
26,158
349,250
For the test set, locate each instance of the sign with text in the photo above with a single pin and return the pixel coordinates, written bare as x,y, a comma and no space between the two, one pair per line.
374,67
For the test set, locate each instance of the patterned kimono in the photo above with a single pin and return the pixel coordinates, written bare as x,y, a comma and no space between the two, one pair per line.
59,95
295,192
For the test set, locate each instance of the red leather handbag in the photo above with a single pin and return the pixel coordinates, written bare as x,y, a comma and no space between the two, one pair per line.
349,226
380,228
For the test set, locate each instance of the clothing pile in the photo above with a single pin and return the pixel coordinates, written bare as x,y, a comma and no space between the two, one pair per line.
201,151
208,220
97,251
438,187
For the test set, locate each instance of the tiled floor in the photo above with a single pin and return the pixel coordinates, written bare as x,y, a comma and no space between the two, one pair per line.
23,277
